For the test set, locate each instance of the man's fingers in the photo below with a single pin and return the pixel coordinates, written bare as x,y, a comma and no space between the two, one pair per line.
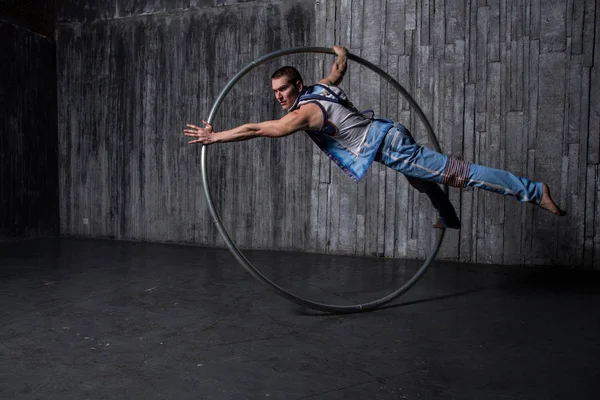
196,141
197,127
200,134
340,50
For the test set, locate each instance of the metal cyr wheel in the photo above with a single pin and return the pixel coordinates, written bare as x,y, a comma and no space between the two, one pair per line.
236,251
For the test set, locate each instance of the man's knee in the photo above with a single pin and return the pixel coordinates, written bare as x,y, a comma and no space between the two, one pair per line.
456,172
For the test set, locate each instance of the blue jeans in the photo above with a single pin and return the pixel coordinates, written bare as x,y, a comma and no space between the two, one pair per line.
423,166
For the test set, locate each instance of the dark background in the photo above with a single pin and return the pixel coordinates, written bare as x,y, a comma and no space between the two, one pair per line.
28,136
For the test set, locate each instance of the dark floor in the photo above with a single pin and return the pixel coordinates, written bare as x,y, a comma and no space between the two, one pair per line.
93,319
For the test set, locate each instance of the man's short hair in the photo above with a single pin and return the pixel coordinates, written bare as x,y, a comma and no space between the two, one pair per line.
289,72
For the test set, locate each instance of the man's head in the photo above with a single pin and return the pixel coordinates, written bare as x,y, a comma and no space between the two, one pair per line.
287,85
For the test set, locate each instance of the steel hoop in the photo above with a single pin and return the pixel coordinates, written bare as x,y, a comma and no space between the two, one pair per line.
332,308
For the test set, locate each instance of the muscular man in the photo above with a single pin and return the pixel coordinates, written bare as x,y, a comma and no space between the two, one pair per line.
354,140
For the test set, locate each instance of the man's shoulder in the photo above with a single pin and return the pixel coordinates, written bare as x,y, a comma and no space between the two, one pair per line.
323,86
324,91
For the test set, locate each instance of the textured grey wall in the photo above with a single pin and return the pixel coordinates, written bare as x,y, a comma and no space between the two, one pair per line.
507,84
127,87
28,139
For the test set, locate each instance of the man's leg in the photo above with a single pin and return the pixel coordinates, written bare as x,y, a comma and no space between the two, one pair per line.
508,184
400,152
425,182
439,200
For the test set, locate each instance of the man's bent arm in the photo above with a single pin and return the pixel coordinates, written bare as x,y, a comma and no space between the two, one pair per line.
338,69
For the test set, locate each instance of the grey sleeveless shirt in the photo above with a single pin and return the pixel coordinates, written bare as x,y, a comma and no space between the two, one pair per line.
342,122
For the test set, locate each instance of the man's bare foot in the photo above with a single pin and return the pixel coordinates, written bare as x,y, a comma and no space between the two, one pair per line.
548,204
439,224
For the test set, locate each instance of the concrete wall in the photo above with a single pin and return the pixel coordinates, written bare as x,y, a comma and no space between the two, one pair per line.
28,138
506,84
128,86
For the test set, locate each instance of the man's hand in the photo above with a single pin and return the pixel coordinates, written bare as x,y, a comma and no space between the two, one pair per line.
338,69
203,135
340,51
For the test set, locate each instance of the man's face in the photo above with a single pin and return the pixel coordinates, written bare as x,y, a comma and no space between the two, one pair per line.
286,92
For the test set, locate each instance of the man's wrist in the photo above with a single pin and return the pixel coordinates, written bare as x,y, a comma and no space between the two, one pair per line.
215,137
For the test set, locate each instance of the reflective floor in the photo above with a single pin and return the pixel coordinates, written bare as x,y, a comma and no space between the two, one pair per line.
96,319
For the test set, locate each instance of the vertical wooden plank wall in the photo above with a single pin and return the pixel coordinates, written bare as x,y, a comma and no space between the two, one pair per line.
129,83
510,84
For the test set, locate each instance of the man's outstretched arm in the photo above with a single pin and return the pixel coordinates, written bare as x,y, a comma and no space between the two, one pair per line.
338,69
305,118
